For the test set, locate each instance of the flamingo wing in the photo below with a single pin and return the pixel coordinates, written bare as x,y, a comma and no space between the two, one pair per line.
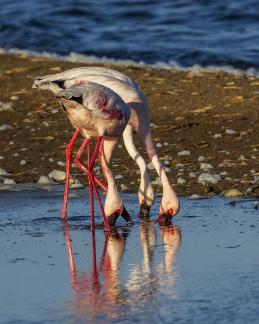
102,101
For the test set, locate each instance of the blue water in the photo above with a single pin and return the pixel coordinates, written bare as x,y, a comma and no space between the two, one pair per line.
203,269
183,32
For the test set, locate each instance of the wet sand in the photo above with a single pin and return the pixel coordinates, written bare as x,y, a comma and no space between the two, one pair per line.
197,117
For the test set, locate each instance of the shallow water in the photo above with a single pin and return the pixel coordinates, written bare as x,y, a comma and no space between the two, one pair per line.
203,269
184,32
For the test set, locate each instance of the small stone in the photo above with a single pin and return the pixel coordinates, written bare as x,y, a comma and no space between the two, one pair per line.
120,146
231,193
3,172
124,187
206,178
6,106
118,176
230,131
157,182
168,157
165,144
217,135
166,162
14,98
54,111
23,162
150,166
241,158
201,158
255,149
45,123
9,181
159,145
76,185
11,143
15,154
1,157
5,127
206,167
181,181
167,169
195,196
51,160
223,173
57,175
44,180
192,174
61,163
184,153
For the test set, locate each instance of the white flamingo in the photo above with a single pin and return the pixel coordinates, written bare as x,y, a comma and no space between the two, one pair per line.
131,94
98,113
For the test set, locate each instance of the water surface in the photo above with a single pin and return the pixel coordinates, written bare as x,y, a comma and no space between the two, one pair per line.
202,269
185,32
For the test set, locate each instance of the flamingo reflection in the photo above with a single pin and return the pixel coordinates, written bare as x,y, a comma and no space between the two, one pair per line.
102,290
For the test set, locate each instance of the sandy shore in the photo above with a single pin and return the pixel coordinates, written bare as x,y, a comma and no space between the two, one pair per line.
205,125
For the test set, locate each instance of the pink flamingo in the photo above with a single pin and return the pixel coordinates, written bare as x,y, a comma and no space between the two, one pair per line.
139,120
98,113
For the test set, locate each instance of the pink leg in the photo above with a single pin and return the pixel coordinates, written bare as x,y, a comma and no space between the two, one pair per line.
83,168
91,178
90,188
69,150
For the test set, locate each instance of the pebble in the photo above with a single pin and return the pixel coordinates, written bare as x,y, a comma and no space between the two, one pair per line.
231,193
5,127
167,169
120,146
76,185
159,145
230,131
1,157
61,163
206,167
23,162
150,166
168,157
9,181
181,181
166,162
217,135
192,174
241,158
3,172
205,178
51,160
118,176
54,111
223,173
184,153
124,187
57,175
45,180
157,182
6,106
195,196
201,158
14,98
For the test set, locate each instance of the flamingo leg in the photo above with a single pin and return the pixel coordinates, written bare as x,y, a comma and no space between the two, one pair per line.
69,150
83,168
92,180
91,176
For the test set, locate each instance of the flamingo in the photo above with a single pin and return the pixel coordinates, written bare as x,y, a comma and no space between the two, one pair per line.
98,113
139,121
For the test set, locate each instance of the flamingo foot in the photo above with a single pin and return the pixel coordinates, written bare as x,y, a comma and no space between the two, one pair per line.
144,211
113,218
124,213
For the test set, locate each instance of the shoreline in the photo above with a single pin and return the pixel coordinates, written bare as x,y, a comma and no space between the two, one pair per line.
203,122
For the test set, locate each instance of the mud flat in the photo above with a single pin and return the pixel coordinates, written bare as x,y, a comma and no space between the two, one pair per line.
205,125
